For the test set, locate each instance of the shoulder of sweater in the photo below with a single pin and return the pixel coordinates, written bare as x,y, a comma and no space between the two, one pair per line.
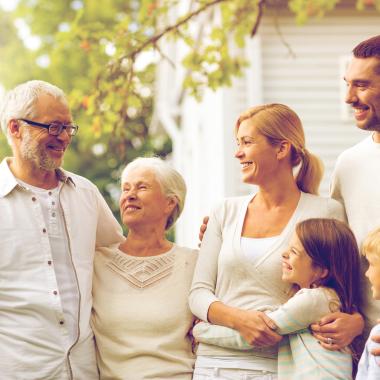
229,207
361,146
231,202
319,292
106,252
326,207
186,256
190,252
319,200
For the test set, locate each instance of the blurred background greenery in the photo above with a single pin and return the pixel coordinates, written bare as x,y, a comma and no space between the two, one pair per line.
69,44
103,54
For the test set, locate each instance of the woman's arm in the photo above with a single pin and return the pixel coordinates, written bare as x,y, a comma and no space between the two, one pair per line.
221,336
202,292
253,326
306,307
342,328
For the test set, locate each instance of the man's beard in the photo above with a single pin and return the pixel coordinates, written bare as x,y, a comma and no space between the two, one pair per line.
30,151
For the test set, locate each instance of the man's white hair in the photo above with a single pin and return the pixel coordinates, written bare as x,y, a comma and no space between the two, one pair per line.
20,102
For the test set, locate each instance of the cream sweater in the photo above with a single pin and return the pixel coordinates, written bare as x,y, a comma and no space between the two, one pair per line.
140,314
224,274
356,184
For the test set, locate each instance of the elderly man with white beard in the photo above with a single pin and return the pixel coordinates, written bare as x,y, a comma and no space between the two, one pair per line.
51,223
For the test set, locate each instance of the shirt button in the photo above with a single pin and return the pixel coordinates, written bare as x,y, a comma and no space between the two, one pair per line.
44,230
61,322
53,214
55,292
49,262
49,192
53,203
34,199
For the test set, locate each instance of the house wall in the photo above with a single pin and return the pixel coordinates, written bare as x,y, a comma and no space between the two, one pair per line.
301,66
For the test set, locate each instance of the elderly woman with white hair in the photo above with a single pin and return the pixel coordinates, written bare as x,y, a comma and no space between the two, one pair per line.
141,317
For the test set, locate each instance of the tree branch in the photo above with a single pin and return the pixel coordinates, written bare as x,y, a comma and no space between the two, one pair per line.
260,13
281,36
153,40
164,56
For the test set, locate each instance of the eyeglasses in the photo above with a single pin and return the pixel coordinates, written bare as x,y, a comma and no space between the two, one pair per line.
54,128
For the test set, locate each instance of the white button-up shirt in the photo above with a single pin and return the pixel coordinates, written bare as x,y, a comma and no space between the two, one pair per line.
34,340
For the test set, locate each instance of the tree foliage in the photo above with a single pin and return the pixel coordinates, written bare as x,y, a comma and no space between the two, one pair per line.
103,54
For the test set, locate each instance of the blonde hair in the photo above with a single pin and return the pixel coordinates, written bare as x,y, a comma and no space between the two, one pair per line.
278,122
371,244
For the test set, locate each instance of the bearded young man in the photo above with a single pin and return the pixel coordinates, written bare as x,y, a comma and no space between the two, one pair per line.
356,180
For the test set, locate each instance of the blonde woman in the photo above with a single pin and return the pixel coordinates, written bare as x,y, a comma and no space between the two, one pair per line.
238,274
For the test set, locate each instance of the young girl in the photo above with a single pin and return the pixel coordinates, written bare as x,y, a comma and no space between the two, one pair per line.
322,263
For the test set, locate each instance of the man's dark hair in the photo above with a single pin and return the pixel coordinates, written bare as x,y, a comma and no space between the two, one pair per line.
368,48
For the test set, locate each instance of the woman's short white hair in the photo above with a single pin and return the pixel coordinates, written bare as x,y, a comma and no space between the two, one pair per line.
171,182
20,102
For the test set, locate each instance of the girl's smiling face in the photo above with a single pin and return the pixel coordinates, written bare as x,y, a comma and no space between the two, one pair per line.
298,267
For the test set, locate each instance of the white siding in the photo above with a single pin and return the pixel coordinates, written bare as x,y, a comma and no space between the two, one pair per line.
310,81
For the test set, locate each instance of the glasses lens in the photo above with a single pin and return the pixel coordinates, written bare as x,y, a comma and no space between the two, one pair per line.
72,130
56,129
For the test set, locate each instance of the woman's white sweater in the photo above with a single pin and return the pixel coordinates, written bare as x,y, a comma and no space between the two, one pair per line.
223,273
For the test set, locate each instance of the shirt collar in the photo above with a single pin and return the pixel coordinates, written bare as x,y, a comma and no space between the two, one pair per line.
8,181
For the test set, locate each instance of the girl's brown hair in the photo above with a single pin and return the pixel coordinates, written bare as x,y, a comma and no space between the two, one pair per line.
277,123
331,245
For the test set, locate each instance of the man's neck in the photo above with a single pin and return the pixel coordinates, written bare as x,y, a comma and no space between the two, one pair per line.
26,172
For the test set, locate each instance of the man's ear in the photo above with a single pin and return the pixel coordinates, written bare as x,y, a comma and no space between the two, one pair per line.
283,149
14,128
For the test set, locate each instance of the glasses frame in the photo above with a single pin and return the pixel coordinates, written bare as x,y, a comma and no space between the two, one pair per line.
71,129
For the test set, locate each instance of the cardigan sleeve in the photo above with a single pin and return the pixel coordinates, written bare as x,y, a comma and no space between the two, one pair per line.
221,336
202,293
304,308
